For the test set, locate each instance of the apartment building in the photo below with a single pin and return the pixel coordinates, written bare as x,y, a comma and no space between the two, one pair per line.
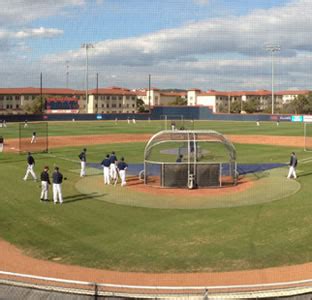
112,100
157,97
104,100
217,99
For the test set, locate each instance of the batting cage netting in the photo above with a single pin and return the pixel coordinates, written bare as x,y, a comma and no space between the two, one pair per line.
33,137
189,159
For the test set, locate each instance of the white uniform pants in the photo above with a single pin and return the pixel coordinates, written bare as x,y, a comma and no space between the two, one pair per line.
292,172
106,175
33,139
44,190
1,147
83,169
57,192
113,171
30,169
122,174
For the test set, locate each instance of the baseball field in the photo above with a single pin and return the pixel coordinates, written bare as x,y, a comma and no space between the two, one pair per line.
265,221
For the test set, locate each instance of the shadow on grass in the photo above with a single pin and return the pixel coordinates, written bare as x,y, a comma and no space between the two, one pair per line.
305,174
81,197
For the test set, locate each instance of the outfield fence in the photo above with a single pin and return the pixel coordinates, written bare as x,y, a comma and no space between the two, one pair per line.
24,286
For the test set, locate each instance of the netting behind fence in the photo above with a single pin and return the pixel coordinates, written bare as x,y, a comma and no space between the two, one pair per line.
33,137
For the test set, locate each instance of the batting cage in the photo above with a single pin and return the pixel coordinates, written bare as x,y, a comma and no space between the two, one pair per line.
189,159
176,122
33,137
308,136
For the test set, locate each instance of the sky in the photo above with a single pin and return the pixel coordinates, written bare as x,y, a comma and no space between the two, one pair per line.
205,44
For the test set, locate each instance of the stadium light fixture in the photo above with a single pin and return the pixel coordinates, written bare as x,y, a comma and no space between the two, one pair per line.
272,49
87,46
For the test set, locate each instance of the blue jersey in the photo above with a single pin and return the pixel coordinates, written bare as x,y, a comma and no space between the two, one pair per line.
57,177
106,162
122,166
113,159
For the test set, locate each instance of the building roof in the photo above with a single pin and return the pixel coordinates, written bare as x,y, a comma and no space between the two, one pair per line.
293,92
36,91
112,91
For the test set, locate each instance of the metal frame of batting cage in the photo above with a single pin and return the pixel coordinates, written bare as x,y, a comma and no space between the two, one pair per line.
176,118
193,166
307,124
44,125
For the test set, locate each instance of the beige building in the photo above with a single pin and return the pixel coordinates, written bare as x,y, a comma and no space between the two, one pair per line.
112,100
157,97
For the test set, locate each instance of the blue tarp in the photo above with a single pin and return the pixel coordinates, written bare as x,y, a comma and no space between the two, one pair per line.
242,169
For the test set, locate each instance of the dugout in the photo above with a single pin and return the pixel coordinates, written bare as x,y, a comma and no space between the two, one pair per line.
189,159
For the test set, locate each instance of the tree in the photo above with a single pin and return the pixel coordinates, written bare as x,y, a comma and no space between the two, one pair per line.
37,106
236,107
179,101
302,104
251,105
140,105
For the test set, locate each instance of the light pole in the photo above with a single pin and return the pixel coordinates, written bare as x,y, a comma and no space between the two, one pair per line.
67,73
272,49
87,46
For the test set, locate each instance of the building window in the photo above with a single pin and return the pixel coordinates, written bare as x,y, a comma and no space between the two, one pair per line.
114,105
1,97
17,106
107,105
120,98
119,105
133,105
114,98
133,98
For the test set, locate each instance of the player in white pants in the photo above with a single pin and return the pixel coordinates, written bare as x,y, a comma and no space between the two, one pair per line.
83,162
57,186
292,166
122,167
106,164
45,181
30,167
34,138
112,166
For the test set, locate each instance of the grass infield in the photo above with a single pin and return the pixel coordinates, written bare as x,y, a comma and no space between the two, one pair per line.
89,231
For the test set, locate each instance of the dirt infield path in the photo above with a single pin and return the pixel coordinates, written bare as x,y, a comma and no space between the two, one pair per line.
63,141
13,260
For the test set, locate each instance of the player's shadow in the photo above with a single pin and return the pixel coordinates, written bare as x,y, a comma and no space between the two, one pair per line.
81,197
305,174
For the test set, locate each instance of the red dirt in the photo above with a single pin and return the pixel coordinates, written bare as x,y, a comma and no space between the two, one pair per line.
13,259
137,185
63,141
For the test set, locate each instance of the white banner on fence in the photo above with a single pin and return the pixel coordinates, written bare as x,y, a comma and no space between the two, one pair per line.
307,119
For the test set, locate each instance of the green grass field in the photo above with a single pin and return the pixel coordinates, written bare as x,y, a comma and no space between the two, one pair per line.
89,231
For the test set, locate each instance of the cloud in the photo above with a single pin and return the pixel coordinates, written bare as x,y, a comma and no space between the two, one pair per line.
40,32
22,11
220,53
202,2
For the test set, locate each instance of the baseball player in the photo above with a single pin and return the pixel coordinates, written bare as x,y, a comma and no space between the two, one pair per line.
292,166
34,138
25,123
83,161
30,167
128,119
133,121
106,164
179,159
45,181
4,124
122,167
1,143
1,123
112,166
57,179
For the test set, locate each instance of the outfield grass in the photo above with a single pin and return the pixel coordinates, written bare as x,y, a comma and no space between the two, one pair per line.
109,127
88,231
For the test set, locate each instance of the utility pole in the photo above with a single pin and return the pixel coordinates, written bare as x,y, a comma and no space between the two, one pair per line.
87,46
67,73
149,92
272,49
41,98
97,92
